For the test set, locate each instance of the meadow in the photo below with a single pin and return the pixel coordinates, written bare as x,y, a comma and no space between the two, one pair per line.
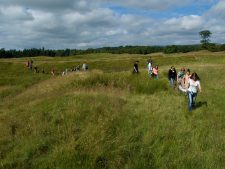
108,118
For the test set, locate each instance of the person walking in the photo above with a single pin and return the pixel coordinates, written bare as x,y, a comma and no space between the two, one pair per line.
186,78
155,72
53,72
180,80
149,66
172,76
135,70
31,64
194,87
85,67
180,77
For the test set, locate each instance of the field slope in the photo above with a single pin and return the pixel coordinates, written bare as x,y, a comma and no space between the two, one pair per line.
107,118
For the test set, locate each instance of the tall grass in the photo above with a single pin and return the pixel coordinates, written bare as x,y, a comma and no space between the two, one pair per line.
101,120
141,83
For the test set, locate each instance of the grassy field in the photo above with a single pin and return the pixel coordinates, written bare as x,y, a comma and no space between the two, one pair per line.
107,118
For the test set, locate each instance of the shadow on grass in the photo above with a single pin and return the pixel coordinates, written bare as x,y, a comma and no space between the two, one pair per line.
197,105
200,104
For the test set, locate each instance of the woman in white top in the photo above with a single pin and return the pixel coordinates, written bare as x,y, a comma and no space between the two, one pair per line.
194,87
150,68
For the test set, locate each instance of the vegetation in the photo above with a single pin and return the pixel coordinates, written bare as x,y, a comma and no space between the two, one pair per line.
205,35
108,118
113,50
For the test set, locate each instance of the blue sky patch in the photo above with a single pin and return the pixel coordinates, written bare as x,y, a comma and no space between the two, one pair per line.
191,9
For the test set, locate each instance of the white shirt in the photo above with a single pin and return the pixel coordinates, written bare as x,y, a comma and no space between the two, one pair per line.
84,66
193,86
149,66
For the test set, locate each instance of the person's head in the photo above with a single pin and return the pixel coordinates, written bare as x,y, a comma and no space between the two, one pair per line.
194,76
188,71
182,69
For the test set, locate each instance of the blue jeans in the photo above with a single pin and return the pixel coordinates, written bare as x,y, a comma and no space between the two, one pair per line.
191,100
172,81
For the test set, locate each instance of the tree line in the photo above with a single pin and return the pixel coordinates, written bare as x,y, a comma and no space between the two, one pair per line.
205,44
114,50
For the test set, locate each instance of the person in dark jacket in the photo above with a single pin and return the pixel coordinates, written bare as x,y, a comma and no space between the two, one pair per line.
136,67
172,75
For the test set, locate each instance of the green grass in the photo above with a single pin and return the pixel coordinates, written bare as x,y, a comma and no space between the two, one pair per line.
109,118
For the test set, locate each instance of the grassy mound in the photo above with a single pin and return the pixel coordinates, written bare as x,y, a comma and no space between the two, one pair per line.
102,120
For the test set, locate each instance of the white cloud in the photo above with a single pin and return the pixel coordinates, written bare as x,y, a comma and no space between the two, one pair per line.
218,10
185,22
14,13
214,21
84,24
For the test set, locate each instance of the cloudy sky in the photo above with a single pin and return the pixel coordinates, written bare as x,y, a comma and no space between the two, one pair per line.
59,24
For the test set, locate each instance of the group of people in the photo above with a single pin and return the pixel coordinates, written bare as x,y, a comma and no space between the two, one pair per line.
30,65
75,69
183,80
152,70
186,82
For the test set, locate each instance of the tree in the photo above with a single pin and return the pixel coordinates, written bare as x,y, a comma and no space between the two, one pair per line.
205,35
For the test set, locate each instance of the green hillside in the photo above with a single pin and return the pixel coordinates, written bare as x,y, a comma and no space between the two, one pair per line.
108,118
